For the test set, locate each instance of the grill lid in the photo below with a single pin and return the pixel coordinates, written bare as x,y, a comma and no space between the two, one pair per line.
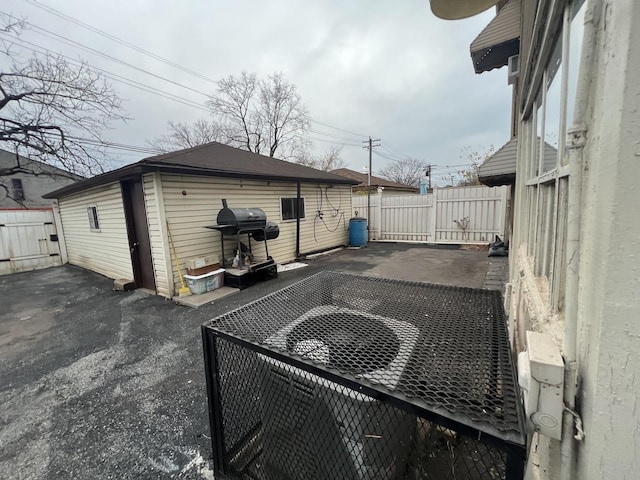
242,218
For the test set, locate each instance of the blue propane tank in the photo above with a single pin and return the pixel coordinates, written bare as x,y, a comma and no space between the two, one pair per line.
358,232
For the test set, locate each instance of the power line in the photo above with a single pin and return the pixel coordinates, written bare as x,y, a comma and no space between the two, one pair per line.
116,39
387,157
394,154
344,141
462,165
344,144
54,36
148,53
339,129
112,76
114,145
327,134
397,152
163,93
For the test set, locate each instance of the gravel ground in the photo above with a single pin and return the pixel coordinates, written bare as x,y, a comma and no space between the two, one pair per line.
97,384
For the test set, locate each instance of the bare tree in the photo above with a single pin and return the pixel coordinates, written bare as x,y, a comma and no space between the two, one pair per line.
469,176
408,171
182,135
326,161
53,110
261,116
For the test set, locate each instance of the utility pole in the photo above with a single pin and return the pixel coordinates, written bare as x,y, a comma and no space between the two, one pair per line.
428,173
370,146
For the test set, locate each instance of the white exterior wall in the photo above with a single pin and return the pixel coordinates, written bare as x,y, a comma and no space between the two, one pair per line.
608,271
193,202
37,179
106,251
158,235
320,234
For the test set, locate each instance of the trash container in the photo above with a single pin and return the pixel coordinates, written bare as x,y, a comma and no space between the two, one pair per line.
358,232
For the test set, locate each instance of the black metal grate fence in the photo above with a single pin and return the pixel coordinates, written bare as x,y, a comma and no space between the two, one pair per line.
351,377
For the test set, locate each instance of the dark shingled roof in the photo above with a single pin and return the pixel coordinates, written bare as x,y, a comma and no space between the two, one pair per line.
500,168
362,179
214,160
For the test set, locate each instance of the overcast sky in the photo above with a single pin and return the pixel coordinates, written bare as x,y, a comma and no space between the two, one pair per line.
389,69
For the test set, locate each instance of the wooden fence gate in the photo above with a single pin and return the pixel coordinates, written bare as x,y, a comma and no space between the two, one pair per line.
468,215
28,240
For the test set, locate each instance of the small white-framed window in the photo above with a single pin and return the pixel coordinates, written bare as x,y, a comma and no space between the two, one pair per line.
94,223
289,207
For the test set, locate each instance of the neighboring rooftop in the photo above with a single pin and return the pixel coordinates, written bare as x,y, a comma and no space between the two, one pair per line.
216,160
500,168
363,181
24,181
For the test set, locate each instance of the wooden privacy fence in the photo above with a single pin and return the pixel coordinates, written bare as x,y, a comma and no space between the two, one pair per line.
28,240
448,215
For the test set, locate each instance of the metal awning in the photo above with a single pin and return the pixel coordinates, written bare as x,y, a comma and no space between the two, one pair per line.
499,40
457,9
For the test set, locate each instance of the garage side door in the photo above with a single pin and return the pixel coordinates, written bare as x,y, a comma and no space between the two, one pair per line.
28,241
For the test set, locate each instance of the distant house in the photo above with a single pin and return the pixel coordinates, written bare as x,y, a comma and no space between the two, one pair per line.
389,187
117,224
24,189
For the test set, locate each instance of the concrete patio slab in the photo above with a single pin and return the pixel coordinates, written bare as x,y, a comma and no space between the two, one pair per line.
195,301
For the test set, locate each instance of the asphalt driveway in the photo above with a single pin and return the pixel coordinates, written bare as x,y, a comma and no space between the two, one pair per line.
99,384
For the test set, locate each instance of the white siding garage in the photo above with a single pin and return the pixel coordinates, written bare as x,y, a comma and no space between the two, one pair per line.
163,265
192,203
106,249
117,224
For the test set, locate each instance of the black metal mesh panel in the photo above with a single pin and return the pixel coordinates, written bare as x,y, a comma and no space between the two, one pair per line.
345,376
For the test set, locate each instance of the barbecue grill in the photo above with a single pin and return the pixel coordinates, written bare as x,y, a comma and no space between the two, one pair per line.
236,220
252,222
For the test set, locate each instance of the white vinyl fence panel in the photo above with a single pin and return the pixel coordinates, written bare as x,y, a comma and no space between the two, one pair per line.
470,214
448,215
27,241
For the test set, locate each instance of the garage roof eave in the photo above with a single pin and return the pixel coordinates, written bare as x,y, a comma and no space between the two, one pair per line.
498,180
112,176
142,168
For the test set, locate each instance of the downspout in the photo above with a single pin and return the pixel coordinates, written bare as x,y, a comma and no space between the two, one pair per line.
576,137
298,220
